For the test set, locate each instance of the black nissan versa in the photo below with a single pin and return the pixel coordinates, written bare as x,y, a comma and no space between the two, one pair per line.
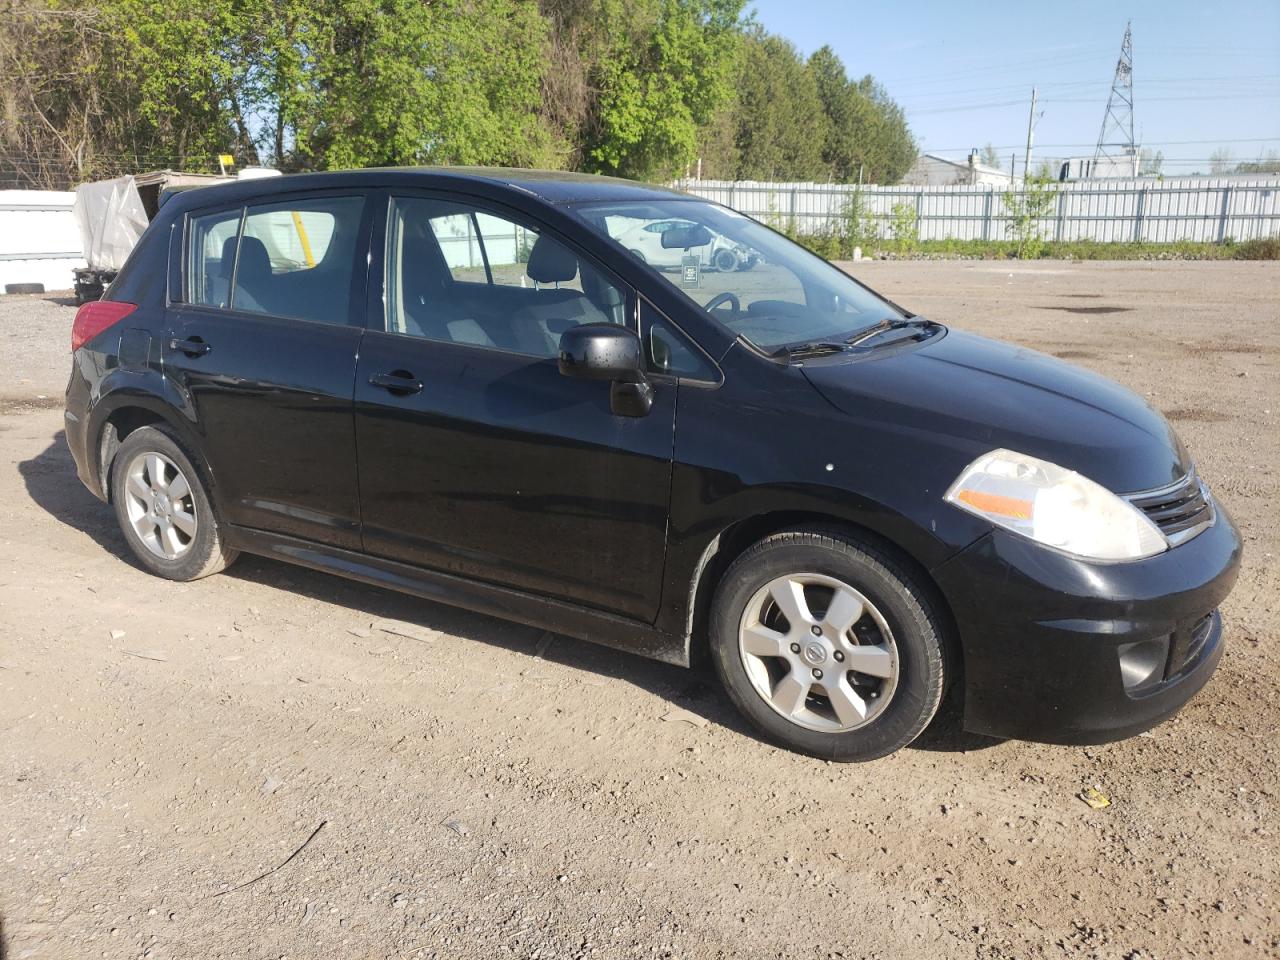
463,384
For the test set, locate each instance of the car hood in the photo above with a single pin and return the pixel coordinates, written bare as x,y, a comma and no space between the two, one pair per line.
974,394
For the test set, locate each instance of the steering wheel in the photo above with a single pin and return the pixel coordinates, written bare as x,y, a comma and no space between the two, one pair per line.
723,298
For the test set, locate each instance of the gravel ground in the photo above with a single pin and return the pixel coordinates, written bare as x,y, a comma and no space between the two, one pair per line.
468,790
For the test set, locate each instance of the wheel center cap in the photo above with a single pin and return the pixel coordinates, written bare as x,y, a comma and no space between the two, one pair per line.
815,652
162,505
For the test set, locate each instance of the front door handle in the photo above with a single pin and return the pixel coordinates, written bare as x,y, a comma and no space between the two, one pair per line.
192,347
402,383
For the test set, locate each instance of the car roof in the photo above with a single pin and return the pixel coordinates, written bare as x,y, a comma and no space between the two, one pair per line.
550,186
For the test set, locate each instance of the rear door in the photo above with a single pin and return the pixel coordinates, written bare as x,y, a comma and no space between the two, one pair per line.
477,457
262,346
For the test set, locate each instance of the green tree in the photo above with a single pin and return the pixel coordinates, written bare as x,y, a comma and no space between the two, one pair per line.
1026,209
662,68
97,90
841,151
1149,163
349,83
778,123
1220,161
990,156
1266,163
867,132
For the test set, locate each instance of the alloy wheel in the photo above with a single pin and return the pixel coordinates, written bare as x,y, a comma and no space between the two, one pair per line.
818,652
159,505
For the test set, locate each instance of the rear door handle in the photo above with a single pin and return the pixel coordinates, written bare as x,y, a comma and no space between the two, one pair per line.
402,383
192,347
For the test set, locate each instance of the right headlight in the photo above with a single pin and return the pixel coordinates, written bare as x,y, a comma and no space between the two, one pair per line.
1054,506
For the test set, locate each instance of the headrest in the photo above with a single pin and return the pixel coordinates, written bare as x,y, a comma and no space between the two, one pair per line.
551,262
254,262
228,262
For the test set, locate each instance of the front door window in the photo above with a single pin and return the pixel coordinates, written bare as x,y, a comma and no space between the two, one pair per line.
462,275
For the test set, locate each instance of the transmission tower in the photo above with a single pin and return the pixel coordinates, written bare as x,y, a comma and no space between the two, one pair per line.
1116,148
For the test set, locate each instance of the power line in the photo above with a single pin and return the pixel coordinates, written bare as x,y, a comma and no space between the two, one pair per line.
1161,143
1264,79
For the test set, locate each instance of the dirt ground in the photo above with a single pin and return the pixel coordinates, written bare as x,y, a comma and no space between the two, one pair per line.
471,792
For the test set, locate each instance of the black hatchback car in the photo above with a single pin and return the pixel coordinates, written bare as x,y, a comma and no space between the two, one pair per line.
463,384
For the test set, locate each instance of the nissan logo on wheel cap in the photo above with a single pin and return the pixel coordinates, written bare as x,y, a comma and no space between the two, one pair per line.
815,652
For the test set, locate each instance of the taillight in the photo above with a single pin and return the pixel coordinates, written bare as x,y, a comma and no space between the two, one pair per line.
96,316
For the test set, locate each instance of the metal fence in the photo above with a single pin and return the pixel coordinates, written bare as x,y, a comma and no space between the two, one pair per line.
1154,211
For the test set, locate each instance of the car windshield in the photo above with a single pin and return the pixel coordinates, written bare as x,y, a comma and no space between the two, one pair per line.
756,282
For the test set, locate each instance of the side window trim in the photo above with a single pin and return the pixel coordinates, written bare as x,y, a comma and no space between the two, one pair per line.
484,252
235,267
692,381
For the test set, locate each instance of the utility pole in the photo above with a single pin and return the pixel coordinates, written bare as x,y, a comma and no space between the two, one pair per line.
1031,126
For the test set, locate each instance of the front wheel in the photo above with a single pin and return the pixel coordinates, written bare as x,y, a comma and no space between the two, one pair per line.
828,645
726,261
164,509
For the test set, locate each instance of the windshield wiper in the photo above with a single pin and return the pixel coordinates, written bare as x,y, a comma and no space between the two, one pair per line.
889,323
810,349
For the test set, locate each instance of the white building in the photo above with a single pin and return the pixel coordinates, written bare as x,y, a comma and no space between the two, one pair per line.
934,171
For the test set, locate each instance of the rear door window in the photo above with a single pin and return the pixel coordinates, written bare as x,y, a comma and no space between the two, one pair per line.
293,259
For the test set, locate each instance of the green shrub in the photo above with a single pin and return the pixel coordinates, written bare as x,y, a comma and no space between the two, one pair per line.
903,228
1027,208
1264,248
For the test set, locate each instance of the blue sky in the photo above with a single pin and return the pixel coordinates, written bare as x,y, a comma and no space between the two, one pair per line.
1203,71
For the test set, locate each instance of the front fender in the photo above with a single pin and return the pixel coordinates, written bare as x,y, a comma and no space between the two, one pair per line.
766,450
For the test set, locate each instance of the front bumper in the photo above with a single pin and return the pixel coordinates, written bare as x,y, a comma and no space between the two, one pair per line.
1044,635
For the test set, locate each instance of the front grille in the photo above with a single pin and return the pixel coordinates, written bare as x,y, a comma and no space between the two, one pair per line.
1180,510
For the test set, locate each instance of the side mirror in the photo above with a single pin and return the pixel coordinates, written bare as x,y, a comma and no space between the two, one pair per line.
608,351
602,351
682,238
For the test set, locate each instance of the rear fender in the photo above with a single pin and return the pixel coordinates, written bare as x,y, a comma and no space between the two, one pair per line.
155,396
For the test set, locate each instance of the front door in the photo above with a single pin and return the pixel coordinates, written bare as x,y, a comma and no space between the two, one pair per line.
262,351
476,456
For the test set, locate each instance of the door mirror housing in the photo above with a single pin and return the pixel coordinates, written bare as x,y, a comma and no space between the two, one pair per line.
609,351
602,351
682,238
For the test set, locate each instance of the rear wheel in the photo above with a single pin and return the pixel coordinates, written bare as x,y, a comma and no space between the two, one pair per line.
163,507
828,645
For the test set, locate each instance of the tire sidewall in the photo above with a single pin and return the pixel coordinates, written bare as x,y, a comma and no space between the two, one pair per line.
206,554
916,636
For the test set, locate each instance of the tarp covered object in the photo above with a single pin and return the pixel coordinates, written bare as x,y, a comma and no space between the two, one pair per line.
111,218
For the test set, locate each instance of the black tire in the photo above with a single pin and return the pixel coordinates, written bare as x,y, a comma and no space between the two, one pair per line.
206,554
726,261
918,630
745,265
639,256
24,288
